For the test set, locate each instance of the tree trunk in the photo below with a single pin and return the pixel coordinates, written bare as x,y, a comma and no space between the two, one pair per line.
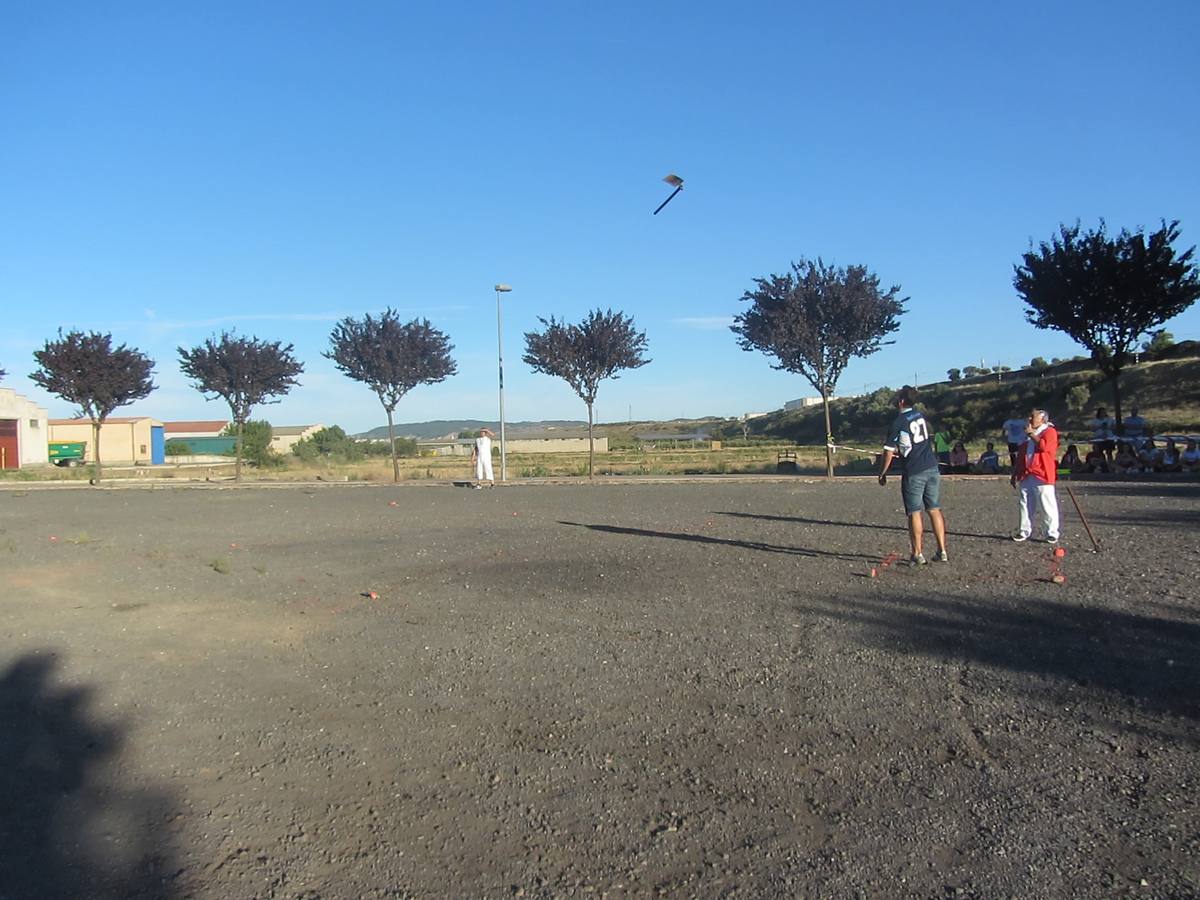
1116,383
97,469
237,454
828,436
591,444
392,445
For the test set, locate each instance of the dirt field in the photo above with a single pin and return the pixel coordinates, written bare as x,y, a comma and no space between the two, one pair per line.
689,689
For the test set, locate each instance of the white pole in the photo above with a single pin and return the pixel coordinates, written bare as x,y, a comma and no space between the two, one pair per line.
500,358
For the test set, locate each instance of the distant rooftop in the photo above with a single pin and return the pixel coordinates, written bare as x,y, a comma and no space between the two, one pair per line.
199,425
111,420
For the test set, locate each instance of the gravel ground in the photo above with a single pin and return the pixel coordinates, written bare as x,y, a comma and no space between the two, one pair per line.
690,689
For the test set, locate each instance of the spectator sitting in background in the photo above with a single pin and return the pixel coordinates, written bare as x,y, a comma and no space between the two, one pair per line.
1126,461
1071,461
1169,459
960,462
989,461
1102,433
1095,462
1149,457
1189,459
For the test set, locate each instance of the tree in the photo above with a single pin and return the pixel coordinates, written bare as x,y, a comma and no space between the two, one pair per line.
244,372
256,443
1159,341
87,370
391,358
815,319
583,355
954,374
1038,362
1106,292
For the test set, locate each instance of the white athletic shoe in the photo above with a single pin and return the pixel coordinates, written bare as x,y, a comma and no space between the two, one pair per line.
1020,537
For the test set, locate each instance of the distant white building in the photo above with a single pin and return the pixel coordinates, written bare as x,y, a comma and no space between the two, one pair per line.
803,403
285,437
24,432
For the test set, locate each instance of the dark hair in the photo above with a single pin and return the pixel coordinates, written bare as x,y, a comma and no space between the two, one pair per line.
907,394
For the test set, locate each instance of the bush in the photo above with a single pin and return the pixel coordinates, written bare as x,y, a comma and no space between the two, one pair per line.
178,448
330,444
256,444
1077,398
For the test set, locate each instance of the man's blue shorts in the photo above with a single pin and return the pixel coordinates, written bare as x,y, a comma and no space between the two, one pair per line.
920,490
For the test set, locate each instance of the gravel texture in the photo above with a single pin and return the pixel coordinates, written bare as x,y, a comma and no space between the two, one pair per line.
692,690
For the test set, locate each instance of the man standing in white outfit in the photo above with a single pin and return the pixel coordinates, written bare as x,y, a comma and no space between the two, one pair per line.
481,455
1037,468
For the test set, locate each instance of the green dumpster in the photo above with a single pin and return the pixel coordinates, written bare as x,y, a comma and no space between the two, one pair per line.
67,453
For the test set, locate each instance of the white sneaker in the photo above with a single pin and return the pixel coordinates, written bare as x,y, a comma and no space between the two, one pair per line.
1019,538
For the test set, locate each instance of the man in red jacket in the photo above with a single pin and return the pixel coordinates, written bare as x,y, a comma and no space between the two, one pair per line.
1036,467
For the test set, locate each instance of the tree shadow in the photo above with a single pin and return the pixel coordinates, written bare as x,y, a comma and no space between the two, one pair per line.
724,542
66,829
1177,487
901,528
1152,662
1167,518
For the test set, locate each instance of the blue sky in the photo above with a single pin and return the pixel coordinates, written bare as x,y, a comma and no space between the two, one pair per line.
171,170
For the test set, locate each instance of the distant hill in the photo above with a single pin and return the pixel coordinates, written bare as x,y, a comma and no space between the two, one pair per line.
445,428
1166,389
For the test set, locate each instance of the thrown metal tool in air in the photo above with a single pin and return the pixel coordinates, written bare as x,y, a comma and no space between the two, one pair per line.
676,182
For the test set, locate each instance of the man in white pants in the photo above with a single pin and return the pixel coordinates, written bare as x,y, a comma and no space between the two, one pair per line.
1037,468
481,455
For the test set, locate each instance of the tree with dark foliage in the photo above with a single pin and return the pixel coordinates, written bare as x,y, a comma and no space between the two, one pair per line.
391,358
87,370
583,355
815,319
244,372
1106,292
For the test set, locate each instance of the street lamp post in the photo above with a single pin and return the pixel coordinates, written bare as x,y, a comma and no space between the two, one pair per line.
501,289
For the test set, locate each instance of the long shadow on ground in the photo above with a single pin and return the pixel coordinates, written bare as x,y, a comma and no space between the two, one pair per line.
709,539
1152,661
63,831
801,520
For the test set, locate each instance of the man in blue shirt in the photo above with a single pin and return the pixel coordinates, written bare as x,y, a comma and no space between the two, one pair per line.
1135,429
909,438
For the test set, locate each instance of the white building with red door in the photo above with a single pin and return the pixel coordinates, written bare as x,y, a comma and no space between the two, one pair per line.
24,431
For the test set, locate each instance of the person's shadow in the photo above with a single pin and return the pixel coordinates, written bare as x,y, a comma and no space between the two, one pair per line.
66,828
